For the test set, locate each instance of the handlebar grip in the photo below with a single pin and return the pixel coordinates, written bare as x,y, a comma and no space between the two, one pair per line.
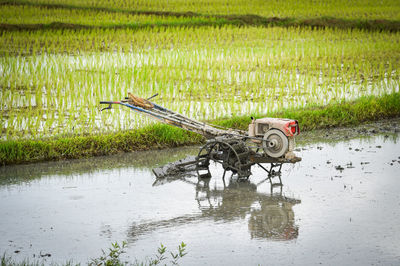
109,102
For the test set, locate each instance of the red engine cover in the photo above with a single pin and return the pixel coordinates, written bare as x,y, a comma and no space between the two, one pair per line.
288,126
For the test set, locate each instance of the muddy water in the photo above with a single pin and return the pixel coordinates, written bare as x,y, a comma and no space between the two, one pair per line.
340,205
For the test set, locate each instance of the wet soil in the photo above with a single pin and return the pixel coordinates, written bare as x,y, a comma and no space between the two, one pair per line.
339,205
383,127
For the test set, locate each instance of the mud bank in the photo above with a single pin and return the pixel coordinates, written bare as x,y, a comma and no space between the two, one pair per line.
383,127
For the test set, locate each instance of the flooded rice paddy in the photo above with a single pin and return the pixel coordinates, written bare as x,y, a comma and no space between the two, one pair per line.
340,205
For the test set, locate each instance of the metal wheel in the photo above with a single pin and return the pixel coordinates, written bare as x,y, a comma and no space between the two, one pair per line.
275,143
232,154
203,160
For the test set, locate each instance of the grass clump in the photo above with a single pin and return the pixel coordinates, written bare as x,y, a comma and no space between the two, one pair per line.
367,108
150,137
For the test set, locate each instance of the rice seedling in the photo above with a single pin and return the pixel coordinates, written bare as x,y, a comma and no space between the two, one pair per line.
53,80
282,8
22,14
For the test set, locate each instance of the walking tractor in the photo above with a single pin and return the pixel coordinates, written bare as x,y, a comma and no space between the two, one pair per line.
268,141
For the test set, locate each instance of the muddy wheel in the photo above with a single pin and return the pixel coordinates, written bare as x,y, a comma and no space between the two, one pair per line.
232,154
203,158
275,143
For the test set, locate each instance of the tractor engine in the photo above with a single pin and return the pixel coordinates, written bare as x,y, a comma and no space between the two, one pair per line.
277,135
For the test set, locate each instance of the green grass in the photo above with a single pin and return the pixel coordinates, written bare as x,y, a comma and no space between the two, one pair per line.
155,136
364,109
33,16
371,9
161,136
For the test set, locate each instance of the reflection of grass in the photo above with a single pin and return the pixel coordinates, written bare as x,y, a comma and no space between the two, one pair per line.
160,136
140,160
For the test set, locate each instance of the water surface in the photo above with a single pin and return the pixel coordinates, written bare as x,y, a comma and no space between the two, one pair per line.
340,205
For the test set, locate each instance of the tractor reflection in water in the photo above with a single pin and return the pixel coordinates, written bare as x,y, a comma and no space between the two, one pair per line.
270,216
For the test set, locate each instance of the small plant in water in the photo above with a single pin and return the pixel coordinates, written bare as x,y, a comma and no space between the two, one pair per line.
180,254
112,257
174,256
